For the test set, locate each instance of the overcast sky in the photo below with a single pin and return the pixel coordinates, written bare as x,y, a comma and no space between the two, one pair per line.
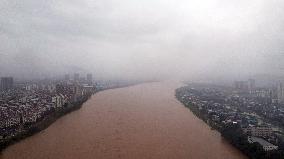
142,38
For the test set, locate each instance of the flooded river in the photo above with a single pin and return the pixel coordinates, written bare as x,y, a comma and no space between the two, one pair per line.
137,122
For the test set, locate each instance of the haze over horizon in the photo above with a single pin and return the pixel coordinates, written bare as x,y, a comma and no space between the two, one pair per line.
142,39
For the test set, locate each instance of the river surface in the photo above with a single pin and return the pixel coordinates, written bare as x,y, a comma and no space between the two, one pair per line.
138,122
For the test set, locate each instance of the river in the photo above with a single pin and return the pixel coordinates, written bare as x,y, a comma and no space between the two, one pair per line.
137,122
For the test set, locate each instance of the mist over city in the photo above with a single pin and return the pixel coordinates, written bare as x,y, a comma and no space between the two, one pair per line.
142,39
142,79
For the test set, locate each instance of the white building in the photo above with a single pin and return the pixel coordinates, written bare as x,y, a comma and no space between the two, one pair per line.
58,101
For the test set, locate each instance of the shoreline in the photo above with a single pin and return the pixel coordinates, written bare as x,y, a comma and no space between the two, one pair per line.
43,124
230,131
50,119
211,124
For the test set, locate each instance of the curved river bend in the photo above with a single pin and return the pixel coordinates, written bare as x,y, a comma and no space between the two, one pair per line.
143,121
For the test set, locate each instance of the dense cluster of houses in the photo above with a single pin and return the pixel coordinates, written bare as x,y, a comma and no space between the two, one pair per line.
228,107
32,102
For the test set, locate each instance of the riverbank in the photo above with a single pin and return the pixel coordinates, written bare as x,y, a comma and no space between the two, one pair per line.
25,131
207,107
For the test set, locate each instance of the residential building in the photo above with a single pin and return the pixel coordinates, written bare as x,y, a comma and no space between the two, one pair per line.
259,131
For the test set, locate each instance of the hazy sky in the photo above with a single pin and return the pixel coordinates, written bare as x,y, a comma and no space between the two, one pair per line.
142,38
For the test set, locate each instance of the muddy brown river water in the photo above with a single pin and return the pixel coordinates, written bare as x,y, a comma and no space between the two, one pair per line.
138,122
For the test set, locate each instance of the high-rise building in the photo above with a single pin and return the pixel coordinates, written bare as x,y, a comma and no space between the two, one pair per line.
251,84
241,85
280,92
89,79
67,77
7,83
76,77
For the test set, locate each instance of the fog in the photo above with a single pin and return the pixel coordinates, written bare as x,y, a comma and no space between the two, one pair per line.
142,39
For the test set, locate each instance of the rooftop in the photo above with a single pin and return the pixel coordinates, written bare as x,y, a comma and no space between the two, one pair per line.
261,141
